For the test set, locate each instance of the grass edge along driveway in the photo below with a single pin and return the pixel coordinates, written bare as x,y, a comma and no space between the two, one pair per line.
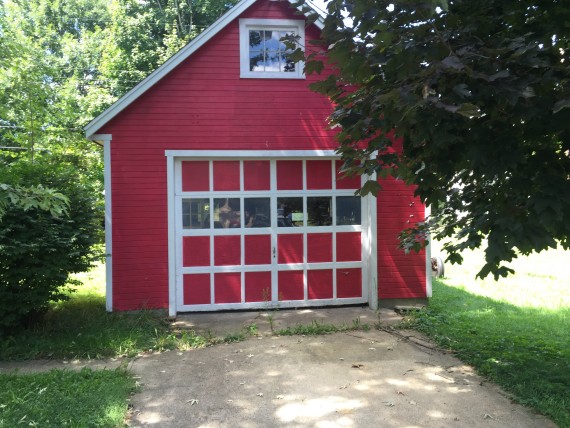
58,398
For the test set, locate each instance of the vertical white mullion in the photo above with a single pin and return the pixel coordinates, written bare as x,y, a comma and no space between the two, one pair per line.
172,237
334,262
305,268
212,237
241,176
333,174
305,225
273,220
242,226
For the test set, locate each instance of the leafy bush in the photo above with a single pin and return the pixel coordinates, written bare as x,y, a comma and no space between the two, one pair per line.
38,251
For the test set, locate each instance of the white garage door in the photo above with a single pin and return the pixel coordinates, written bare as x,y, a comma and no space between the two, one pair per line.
267,232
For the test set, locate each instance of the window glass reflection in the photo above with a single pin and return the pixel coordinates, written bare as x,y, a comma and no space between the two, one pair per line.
319,211
268,53
348,210
196,213
227,213
256,212
290,212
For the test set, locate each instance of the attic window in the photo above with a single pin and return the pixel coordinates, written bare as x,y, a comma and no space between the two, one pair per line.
263,54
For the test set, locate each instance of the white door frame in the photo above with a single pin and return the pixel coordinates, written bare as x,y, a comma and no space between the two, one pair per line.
369,256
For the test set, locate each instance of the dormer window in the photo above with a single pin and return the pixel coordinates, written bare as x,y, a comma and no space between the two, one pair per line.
262,52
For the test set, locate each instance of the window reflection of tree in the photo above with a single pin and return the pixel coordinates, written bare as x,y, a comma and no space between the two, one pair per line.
319,210
267,50
256,212
227,213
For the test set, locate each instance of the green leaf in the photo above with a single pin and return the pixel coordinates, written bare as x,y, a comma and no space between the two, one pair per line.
468,110
562,104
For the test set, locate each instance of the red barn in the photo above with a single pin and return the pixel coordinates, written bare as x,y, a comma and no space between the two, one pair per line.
223,190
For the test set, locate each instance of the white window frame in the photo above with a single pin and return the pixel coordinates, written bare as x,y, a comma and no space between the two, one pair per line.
246,24
368,226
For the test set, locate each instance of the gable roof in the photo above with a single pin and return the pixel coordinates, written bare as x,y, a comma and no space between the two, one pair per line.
92,127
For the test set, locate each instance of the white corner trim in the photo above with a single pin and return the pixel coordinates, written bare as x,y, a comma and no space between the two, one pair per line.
373,237
176,60
428,259
292,25
171,237
105,139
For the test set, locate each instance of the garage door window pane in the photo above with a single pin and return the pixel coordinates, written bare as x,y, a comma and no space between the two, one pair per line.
256,212
290,212
348,210
319,211
227,213
196,213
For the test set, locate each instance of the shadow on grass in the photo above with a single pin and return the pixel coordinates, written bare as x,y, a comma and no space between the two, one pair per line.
81,328
525,350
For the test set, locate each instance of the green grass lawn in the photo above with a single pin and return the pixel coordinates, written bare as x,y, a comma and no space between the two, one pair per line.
62,398
81,328
515,331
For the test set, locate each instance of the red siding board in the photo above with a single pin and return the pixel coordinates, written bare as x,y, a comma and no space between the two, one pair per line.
400,275
200,106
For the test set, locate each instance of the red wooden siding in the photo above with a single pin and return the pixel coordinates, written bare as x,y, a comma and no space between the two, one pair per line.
400,275
201,105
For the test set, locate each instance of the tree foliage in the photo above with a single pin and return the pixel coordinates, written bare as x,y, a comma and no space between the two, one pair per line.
477,94
44,237
62,62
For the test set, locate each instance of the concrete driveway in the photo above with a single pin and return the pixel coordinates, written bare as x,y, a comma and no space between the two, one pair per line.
352,379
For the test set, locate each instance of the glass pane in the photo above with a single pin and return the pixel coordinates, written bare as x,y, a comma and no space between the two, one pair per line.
196,213
255,40
256,61
348,210
319,211
287,63
227,213
256,212
272,61
290,212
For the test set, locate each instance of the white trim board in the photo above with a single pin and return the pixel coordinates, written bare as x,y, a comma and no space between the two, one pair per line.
301,154
176,233
92,127
105,140
296,26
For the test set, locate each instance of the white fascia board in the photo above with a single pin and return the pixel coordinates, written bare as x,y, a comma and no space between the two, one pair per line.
251,153
172,63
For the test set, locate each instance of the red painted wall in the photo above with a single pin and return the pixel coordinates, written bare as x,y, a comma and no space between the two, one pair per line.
400,275
204,104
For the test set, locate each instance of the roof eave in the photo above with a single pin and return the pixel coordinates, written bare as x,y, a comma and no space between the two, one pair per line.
96,124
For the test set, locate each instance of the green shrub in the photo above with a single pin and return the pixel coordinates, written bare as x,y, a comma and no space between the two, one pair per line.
38,251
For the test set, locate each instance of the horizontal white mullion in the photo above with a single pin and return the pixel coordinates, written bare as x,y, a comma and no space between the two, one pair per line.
348,265
319,266
348,228
278,304
222,269
291,266
226,232
257,268
318,229
289,230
